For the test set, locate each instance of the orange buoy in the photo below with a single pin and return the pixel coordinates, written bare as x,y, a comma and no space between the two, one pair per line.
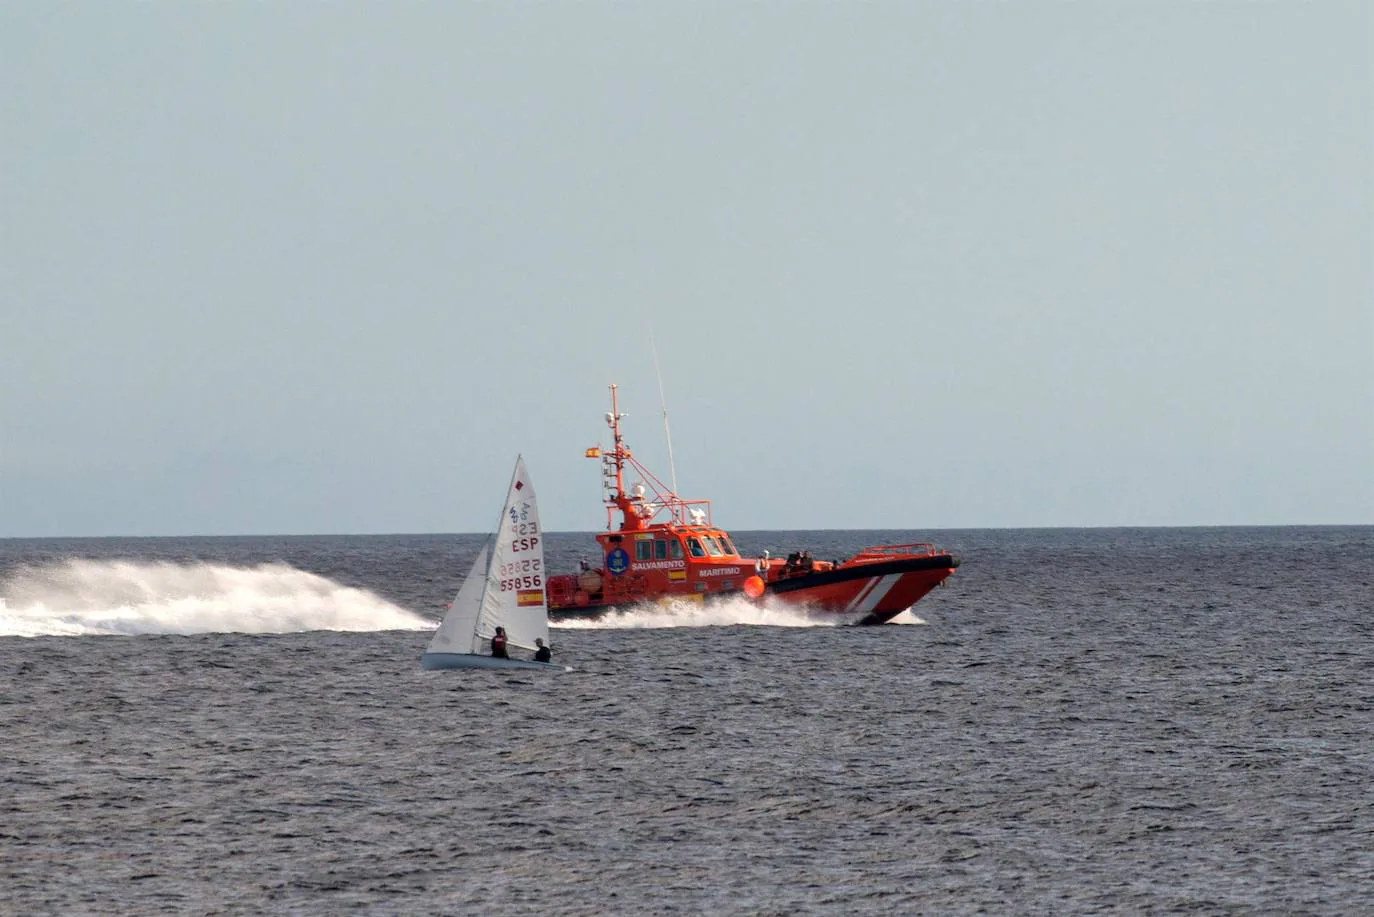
753,587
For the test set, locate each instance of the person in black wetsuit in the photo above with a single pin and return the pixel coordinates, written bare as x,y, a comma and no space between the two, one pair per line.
498,644
543,654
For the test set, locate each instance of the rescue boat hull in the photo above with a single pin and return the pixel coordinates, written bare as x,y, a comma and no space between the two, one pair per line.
867,593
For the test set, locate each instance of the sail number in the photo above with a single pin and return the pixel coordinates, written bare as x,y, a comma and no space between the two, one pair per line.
522,574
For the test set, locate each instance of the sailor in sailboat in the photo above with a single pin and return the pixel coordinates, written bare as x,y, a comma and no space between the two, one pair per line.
502,603
543,654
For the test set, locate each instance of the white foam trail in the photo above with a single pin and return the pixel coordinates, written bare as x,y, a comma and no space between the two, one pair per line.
81,597
716,614
723,613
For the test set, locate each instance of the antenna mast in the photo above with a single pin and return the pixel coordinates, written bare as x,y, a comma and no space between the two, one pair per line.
667,434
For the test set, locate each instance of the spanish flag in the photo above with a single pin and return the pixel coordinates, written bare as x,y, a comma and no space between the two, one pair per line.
529,597
677,576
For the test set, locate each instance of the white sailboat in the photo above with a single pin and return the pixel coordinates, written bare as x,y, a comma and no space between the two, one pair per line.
505,588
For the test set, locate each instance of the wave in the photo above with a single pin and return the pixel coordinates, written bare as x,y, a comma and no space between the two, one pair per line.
723,613
86,597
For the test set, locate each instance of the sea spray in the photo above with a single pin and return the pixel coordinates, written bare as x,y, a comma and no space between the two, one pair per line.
720,613
103,597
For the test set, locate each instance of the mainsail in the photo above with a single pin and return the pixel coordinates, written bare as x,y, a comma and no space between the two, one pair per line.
505,587
514,596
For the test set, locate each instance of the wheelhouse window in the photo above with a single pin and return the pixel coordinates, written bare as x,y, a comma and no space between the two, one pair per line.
660,549
694,547
644,550
725,543
712,547
675,549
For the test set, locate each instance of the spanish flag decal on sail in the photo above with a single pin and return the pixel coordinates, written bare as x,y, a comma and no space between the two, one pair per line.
529,597
677,576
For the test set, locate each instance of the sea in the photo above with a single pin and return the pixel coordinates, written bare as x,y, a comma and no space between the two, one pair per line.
1083,721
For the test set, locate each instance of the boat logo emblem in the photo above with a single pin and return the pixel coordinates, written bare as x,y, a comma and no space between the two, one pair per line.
617,561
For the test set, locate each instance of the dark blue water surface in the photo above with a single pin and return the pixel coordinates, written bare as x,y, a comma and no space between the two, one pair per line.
1085,721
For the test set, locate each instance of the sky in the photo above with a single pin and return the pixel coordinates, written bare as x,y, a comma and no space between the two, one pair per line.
290,268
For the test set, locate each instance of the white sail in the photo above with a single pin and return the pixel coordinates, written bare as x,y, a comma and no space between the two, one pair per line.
515,597
506,590
457,633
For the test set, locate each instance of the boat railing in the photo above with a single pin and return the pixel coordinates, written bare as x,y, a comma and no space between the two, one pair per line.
680,512
650,496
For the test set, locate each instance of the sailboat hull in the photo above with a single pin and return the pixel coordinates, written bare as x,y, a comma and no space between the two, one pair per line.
473,661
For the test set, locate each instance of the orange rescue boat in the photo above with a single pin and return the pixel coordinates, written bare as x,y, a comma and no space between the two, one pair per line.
666,548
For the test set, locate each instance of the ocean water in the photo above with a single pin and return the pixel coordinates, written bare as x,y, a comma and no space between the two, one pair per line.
1125,721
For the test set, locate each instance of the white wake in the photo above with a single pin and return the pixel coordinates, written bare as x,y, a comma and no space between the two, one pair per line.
86,597
769,613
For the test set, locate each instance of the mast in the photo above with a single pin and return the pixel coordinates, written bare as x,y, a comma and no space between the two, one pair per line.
637,511
495,535
630,520
667,434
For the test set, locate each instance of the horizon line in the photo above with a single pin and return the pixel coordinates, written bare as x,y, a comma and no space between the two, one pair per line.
594,532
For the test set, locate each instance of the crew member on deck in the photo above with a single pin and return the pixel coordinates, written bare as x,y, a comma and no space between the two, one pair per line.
498,644
543,654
